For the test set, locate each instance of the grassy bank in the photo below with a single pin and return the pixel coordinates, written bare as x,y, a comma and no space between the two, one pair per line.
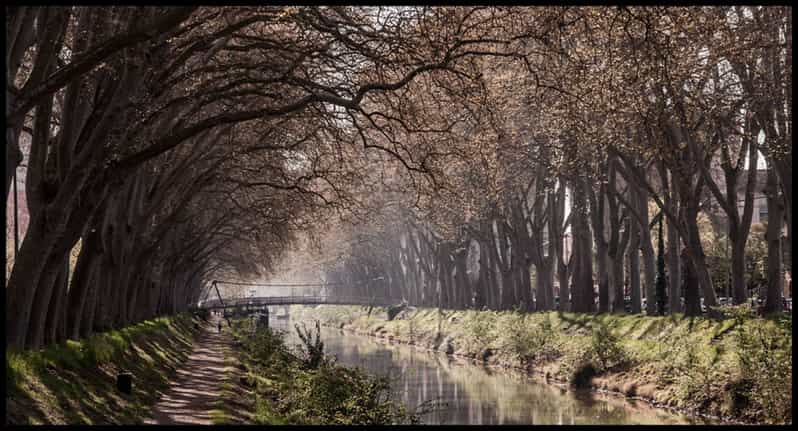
75,383
283,387
738,368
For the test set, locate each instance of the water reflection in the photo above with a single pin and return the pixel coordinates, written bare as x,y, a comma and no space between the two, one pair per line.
476,395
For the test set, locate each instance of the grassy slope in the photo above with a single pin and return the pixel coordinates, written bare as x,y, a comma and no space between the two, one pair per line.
75,383
661,367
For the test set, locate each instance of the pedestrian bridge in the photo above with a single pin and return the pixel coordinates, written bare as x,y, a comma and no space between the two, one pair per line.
256,302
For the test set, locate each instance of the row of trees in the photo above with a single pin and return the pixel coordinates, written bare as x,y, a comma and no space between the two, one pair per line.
166,147
614,121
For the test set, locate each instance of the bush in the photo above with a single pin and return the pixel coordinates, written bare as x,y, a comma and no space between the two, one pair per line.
606,349
312,389
528,344
343,396
312,348
583,359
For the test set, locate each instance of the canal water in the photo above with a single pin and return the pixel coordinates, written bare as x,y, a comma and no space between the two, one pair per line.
467,393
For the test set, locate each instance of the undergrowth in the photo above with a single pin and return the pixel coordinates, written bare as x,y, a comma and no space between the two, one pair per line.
307,387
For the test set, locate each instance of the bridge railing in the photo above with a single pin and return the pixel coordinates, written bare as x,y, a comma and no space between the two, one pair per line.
294,299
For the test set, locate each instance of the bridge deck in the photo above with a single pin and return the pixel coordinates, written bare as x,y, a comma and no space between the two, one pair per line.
289,300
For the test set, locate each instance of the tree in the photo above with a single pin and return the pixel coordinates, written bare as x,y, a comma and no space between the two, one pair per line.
660,283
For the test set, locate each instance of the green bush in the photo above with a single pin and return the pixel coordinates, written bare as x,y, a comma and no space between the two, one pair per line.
312,389
606,349
528,344
312,347
343,396
585,357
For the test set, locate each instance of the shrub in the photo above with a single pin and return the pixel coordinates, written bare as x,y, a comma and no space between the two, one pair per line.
585,357
312,389
312,347
606,349
343,396
527,344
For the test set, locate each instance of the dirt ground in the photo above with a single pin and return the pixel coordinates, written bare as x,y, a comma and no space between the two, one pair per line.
197,384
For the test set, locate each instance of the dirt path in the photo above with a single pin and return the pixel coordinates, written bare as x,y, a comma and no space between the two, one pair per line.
196,387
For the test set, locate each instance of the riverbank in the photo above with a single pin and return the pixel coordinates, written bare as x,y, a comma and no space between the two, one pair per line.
738,369
279,386
75,383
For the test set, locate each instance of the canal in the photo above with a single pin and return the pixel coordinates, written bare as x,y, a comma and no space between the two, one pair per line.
468,393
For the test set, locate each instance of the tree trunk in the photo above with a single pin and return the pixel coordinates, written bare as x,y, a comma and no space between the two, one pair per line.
25,275
617,270
56,307
674,270
556,220
526,288
13,154
44,299
692,302
602,258
647,249
582,292
698,258
774,225
86,319
79,290
634,265
739,292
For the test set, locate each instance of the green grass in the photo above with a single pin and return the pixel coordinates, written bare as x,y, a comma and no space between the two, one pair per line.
233,407
75,382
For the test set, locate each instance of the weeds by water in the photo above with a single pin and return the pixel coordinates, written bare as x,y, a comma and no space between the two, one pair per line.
308,388
312,349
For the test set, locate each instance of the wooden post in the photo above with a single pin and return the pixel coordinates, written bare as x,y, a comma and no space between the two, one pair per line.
124,382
